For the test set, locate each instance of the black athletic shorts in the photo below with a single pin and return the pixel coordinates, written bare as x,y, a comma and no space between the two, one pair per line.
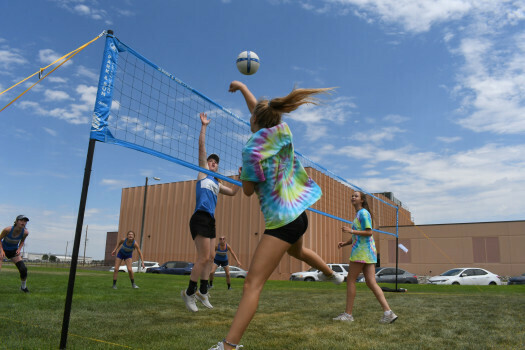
202,224
10,254
222,263
291,232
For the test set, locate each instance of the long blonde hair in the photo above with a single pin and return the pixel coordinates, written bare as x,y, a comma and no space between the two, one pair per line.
268,113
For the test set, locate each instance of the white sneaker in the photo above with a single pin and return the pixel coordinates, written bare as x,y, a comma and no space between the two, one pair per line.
189,300
134,286
220,346
344,317
336,278
203,298
388,317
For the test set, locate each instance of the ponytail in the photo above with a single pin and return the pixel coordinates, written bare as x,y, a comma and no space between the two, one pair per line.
268,113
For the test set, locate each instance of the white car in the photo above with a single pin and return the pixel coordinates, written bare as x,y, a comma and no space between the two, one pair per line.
312,274
135,266
466,276
235,272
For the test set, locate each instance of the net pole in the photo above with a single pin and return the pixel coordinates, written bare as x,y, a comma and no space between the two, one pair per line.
104,96
76,246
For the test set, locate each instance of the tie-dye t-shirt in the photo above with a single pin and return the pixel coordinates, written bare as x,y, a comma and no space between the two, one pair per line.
363,247
282,185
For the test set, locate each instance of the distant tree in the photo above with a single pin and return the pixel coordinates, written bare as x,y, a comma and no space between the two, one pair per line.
53,258
45,257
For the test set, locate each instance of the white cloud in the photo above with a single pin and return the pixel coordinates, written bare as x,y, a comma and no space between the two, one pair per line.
74,113
395,118
419,16
378,136
448,188
48,56
82,10
114,184
448,139
9,58
492,85
56,95
87,8
51,132
319,119
58,80
86,72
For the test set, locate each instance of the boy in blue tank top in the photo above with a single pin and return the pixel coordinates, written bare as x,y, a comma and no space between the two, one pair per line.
202,223
13,238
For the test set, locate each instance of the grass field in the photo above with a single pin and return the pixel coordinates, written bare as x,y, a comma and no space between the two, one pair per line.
291,315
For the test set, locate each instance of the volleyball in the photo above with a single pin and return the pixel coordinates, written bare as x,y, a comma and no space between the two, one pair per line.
248,62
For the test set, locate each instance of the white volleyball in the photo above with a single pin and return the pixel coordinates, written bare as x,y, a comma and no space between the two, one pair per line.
248,62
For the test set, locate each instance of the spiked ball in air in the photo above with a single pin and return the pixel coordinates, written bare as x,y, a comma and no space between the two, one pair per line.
248,62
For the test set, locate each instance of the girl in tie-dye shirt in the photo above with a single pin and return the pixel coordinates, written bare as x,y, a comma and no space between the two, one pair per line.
272,171
363,257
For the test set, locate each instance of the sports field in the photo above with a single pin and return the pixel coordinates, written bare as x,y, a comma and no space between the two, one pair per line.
291,315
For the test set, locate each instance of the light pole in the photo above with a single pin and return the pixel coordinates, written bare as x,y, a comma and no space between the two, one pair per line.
143,216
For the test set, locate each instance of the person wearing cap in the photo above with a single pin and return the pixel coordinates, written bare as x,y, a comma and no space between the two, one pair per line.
202,223
13,238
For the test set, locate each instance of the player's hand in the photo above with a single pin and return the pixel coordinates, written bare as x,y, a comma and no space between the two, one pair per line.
341,244
346,229
113,253
204,119
235,85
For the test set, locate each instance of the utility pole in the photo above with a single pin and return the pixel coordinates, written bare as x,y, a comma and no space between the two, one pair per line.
85,243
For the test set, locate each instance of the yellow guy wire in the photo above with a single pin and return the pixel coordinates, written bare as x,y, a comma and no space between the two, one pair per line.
41,70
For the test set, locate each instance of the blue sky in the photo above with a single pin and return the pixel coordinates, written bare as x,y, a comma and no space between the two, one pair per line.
430,100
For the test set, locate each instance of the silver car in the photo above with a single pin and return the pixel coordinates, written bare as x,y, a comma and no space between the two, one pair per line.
235,272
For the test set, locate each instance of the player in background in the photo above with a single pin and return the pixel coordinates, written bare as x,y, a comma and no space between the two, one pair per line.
13,239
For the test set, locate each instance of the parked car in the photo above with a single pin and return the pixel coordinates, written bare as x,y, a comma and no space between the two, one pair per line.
135,266
312,274
235,272
517,279
466,276
173,268
388,275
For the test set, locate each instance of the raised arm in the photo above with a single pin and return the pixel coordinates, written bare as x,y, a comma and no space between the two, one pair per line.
251,101
203,162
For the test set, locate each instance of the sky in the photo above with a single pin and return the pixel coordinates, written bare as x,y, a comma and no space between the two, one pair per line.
429,105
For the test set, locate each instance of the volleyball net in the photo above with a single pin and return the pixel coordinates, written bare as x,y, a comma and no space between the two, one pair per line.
143,107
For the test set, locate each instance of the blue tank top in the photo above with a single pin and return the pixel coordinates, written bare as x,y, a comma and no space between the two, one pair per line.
127,250
207,190
11,243
221,255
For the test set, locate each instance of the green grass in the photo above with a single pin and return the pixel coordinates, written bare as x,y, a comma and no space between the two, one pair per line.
291,315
